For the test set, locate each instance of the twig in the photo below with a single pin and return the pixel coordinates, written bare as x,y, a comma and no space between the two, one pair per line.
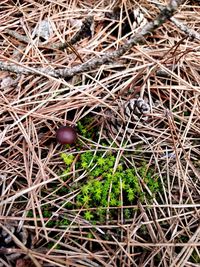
165,14
190,32
84,31
18,36
4,66
59,46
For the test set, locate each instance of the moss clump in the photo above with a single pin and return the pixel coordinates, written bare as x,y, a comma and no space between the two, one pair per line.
105,187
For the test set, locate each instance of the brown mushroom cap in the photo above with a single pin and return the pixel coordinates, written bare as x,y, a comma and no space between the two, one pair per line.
66,135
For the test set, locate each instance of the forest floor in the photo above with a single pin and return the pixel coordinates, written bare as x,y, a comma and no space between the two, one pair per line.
125,75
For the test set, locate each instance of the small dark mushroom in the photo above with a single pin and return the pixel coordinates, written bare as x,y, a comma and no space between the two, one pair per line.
66,135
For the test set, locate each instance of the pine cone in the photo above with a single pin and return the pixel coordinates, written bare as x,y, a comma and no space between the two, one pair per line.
8,246
133,113
132,20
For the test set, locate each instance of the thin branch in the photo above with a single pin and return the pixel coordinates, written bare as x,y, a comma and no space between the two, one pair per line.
84,31
18,36
165,14
4,66
190,32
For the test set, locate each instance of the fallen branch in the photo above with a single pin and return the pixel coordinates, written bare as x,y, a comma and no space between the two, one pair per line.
189,32
165,14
